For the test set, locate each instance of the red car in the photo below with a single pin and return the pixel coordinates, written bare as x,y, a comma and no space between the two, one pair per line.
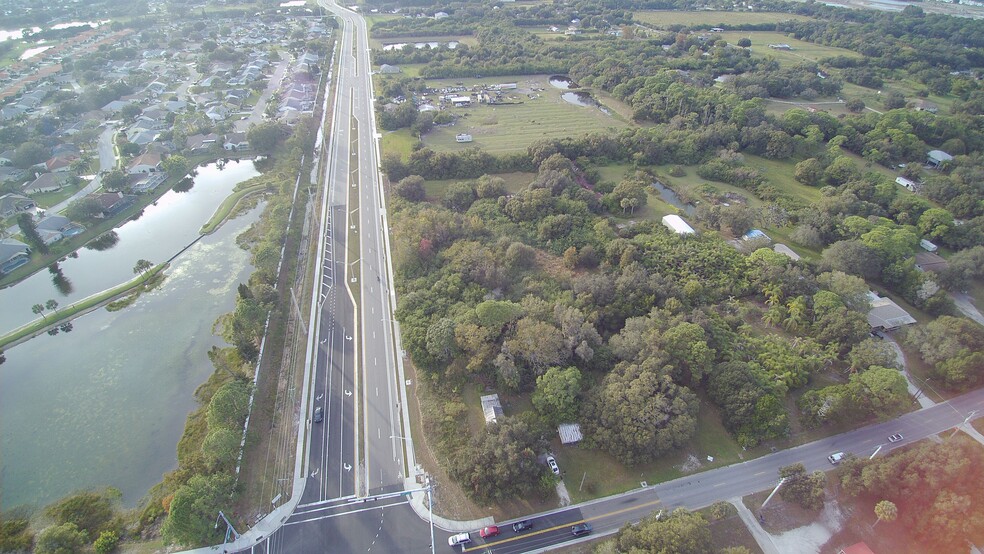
489,532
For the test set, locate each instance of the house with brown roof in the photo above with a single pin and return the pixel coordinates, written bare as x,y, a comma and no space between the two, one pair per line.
145,163
928,261
60,163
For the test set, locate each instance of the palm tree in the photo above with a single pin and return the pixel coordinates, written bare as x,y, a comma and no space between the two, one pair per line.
797,314
38,309
886,511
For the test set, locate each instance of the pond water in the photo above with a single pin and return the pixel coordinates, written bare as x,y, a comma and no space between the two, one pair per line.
105,403
163,230
399,45
672,198
579,99
562,82
14,34
31,52
92,24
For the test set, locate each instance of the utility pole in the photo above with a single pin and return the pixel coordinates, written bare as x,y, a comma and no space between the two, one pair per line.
773,493
965,421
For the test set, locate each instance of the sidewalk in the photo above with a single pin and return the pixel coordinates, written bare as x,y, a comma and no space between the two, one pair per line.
760,535
418,501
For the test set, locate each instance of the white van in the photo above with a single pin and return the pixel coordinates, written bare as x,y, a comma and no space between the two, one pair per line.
836,457
459,539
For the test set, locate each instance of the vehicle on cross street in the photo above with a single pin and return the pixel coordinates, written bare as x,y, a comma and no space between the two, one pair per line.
581,529
895,438
521,526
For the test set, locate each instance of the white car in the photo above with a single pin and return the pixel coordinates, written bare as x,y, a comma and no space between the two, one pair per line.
895,438
552,462
836,457
459,539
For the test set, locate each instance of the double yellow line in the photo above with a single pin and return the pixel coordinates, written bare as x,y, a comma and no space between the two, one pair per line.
562,526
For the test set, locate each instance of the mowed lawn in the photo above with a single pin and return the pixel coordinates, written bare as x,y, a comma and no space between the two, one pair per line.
539,113
661,18
802,51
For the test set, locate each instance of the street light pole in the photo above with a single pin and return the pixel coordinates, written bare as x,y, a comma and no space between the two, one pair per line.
965,421
430,510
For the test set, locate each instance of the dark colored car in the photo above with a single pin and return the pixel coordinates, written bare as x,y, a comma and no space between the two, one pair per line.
581,529
521,526
319,414
489,532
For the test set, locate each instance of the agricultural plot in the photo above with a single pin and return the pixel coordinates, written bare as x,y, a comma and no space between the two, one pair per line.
659,18
536,110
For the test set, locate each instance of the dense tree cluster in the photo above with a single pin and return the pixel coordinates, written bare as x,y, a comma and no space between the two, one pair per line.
933,486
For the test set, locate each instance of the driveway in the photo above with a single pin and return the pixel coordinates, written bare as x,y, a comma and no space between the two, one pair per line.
966,307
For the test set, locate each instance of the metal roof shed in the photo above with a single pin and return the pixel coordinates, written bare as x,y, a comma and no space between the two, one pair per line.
570,433
676,224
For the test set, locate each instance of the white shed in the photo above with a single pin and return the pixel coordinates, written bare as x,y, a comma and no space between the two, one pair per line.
676,224
492,408
570,433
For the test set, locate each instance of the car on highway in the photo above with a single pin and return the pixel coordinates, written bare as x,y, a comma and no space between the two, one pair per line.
895,438
836,457
552,462
489,532
319,414
521,526
581,529
461,539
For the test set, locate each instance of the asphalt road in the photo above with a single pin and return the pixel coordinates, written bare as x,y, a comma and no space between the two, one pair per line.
358,447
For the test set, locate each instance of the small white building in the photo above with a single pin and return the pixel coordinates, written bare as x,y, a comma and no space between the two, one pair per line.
460,101
676,224
463,137
570,433
492,408
907,183
928,246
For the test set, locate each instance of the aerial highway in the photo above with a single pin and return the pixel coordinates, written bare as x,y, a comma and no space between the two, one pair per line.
358,459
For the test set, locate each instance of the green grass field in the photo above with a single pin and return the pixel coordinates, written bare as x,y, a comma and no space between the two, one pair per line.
604,476
659,18
510,128
515,182
808,52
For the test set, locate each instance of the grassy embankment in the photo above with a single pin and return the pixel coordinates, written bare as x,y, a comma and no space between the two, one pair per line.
81,307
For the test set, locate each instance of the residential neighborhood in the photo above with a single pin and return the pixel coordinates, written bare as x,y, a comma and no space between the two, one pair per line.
195,98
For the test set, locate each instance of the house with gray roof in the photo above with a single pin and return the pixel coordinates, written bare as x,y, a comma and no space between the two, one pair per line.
13,254
13,204
886,315
936,158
